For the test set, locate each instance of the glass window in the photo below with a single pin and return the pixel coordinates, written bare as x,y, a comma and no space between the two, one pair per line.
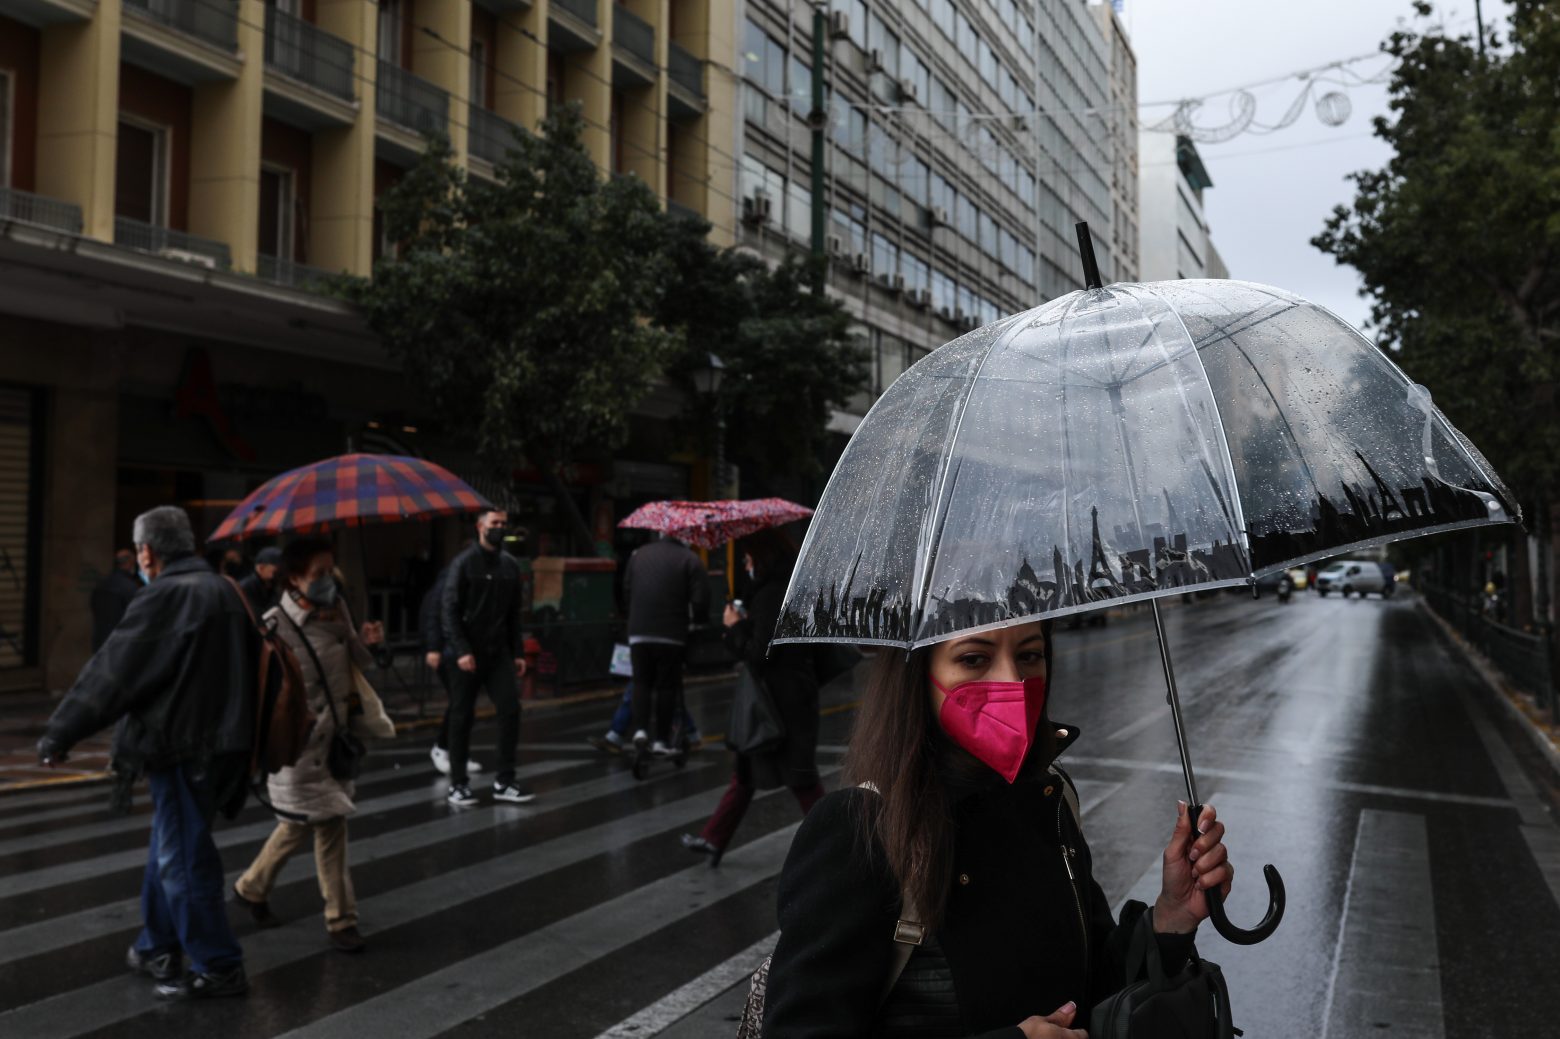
964,34
914,181
942,291
943,17
942,195
988,235
988,62
1026,36
885,256
917,75
753,51
941,104
856,12
798,210
968,217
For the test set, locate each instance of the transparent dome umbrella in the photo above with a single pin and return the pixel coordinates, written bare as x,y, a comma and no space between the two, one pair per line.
1116,445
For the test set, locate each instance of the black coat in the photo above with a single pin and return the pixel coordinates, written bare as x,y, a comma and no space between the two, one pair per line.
430,614
665,588
481,605
262,595
179,669
1012,944
788,673
110,599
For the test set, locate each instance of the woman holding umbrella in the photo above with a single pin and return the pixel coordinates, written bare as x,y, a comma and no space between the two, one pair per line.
967,827
312,801
788,675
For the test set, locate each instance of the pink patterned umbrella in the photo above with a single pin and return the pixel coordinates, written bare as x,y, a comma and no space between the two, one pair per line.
710,524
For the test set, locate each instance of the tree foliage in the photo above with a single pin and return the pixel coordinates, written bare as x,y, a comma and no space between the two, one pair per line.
516,306
789,354
1457,239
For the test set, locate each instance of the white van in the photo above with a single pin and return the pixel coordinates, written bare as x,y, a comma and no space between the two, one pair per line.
1353,575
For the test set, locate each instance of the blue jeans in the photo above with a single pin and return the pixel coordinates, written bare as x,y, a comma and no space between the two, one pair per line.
623,720
182,893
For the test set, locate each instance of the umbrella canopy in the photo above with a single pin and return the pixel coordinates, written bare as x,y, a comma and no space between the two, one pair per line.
350,491
710,524
1118,444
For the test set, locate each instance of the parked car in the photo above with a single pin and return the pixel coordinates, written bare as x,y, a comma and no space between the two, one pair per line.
1356,576
1282,584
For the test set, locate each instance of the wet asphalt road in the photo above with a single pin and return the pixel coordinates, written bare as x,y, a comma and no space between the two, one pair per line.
1343,741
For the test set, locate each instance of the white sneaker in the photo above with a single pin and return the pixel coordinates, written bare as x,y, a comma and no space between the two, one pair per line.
613,738
472,766
441,760
661,750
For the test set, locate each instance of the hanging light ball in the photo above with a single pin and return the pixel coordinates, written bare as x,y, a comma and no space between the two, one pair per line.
1334,108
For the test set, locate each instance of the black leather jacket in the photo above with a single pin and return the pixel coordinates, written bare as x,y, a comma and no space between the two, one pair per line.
180,670
481,604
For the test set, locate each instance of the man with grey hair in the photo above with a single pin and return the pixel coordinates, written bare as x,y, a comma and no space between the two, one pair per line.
178,673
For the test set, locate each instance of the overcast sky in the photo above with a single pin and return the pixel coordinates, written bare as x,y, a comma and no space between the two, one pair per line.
1272,192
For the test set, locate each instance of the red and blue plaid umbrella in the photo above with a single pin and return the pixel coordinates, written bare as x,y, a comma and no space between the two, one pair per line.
350,491
710,524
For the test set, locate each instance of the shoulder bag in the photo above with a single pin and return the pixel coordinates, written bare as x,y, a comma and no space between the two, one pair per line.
344,757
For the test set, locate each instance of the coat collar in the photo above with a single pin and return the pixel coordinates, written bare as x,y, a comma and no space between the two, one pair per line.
184,565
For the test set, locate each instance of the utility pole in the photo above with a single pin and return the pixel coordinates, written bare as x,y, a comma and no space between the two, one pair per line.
818,120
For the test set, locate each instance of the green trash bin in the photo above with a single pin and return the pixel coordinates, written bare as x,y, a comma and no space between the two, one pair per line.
572,613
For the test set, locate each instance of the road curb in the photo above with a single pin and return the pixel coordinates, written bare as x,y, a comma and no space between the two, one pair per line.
1516,704
401,727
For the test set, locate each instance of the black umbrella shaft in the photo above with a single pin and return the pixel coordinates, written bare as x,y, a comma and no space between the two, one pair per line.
1174,699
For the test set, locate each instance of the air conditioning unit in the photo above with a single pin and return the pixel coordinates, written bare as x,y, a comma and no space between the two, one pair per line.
898,283
921,299
1020,123
947,313
839,25
756,207
971,322
939,216
875,61
836,245
907,90
186,256
861,263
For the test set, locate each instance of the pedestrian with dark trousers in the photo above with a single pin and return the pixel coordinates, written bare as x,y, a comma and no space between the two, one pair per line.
112,597
665,587
482,633
790,677
180,671
430,624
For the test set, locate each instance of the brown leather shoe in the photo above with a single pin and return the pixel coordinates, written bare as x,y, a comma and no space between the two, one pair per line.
260,911
348,939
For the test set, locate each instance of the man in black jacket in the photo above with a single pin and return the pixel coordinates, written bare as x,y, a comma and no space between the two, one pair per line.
112,597
259,586
179,670
482,633
665,587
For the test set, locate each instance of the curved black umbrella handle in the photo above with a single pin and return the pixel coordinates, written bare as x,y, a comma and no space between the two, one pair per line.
1275,910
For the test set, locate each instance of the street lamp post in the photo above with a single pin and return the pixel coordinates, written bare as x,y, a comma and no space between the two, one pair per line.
707,380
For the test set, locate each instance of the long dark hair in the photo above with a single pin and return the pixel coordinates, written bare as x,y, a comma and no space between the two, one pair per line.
898,746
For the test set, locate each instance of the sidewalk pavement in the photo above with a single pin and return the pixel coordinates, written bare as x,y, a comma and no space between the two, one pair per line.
413,707
1516,704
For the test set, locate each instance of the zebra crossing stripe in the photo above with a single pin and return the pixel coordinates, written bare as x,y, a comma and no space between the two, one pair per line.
463,990
118,998
674,1006
86,924
135,858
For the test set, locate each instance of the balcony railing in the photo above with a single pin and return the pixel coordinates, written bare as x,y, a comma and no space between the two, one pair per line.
584,10
308,54
685,70
215,21
287,272
176,245
28,208
491,135
411,101
633,34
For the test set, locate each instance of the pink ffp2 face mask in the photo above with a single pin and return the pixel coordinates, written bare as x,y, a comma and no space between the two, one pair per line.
995,721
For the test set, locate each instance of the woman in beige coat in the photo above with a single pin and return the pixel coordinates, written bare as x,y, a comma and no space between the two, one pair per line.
311,609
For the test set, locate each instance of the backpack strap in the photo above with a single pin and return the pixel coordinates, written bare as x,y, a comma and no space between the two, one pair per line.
908,932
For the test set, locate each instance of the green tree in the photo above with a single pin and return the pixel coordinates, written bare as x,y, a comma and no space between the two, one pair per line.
1457,239
790,356
516,306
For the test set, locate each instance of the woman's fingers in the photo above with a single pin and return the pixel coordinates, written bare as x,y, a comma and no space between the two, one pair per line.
1215,857
1212,837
